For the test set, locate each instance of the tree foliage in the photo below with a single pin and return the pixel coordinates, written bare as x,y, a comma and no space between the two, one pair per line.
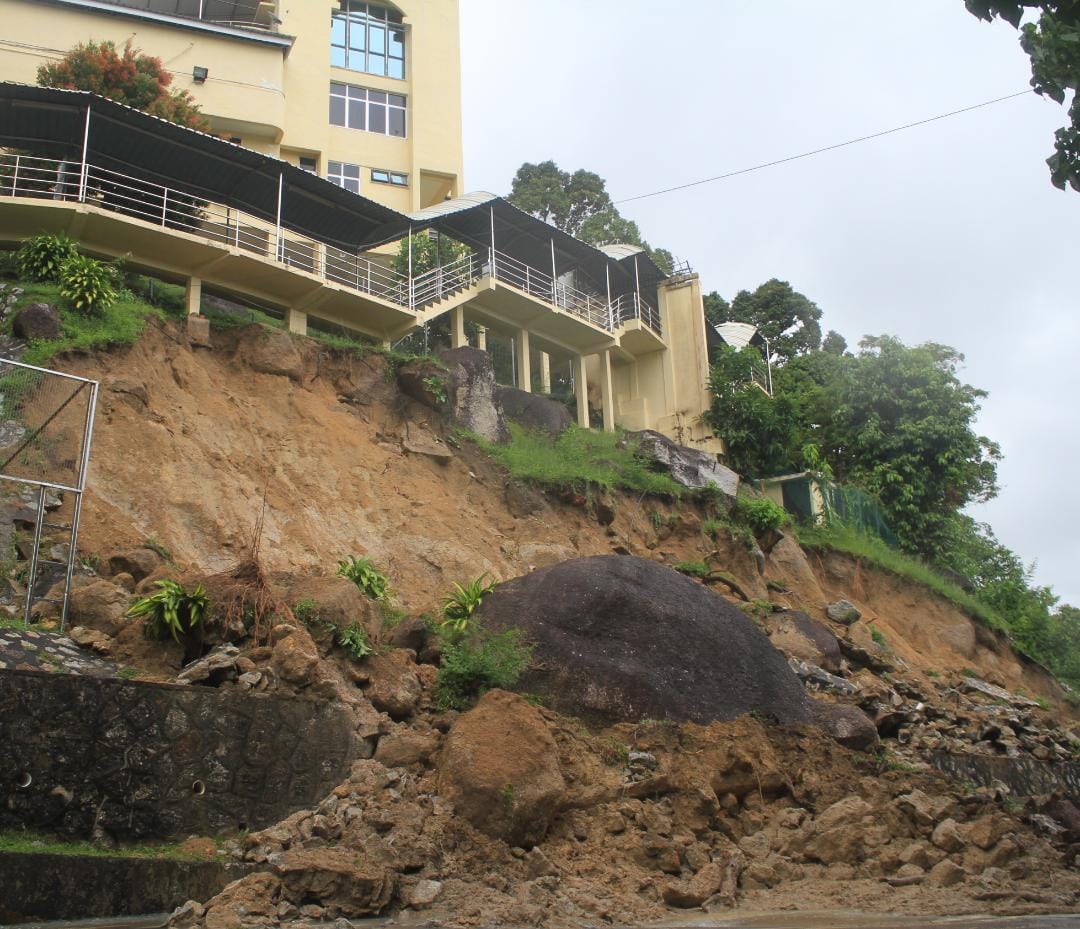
785,317
1052,42
126,76
579,204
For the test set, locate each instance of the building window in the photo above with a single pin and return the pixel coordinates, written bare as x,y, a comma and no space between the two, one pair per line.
309,164
347,176
371,110
389,177
367,37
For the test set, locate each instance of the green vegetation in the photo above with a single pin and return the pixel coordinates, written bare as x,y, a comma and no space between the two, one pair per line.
580,459
128,673
436,386
89,286
477,662
365,575
758,608
41,259
22,842
693,568
306,611
458,607
172,611
760,515
353,638
392,616
879,637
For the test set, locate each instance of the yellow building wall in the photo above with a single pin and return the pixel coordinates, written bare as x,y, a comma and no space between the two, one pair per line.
277,101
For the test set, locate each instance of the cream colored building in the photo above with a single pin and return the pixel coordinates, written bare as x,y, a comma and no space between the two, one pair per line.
367,95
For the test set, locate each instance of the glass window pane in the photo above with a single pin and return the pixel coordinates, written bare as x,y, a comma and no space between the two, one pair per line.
377,118
337,88
397,100
356,114
352,185
394,16
377,40
400,179
397,123
397,43
337,30
376,64
333,167
337,57
376,96
356,93
356,37
396,68
351,170
337,111
381,176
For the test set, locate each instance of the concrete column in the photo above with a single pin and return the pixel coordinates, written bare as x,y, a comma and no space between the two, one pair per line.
581,391
545,372
194,295
481,337
457,328
607,396
524,370
296,321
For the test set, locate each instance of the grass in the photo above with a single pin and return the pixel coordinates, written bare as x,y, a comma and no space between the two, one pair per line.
841,538
33,843
120,324
578,460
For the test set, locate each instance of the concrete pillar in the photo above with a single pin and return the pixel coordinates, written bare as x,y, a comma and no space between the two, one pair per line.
545,372
194,296
581,391
457,328
296,321
524,369
481,337
607,396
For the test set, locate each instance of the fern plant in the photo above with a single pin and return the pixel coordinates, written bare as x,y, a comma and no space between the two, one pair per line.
353,638
89,285
43,257
172,610
366,576
458,607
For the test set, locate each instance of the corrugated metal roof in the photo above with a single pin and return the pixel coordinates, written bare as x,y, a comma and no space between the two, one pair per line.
619,252
737,335
456,205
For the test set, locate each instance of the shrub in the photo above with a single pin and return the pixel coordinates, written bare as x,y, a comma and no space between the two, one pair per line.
474,664
459,606
43,257
879,637
365,575
760,515
353,638
172,610
693,568
89,285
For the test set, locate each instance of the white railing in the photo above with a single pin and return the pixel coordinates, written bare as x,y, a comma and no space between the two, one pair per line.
439,283
631,306
510,270
26,176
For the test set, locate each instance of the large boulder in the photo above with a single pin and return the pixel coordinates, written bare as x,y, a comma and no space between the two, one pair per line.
622,638
463,388
271,351
800,636
328,605
849,725
500,769
37,321
533,411
100,605
690,467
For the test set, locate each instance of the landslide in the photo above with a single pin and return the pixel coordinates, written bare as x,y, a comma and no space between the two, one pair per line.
190,442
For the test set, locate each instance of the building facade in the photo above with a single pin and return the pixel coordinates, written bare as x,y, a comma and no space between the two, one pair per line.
367,95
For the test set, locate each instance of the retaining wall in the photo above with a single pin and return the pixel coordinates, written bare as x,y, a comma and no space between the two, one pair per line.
1025,777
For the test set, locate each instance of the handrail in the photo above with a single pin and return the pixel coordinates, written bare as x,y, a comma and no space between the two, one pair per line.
437,283
590,307
631,306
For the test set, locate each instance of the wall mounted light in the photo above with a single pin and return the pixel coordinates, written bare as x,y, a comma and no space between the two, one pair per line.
200,74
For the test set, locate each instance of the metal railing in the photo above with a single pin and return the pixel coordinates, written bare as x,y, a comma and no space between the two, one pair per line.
510,270
439,283
631,306
28,176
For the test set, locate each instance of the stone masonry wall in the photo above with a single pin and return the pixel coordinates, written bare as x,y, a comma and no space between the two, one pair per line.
138,760
1025,777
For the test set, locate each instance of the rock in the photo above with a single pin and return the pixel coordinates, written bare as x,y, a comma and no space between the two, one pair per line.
537,864
787,562
295,659
946,873
922,810
500,769
213,669
843,611
799,636
406,747
99,605
411,633
337,878
523,499
424,894
988,830
848,725
468,382
91,639
420,441
534,412
37,322
330,604
687,466
393,684
811,674
719,878
132,393
137,562
621,638
919,854
947,836
270,351
974,685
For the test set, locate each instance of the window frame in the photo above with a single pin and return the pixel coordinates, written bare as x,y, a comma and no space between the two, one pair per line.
343,175
375,106
390,178
354,27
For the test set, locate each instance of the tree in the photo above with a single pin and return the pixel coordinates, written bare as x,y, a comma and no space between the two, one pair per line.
1052,43
580,205
782,315
129,77
834,343
717,309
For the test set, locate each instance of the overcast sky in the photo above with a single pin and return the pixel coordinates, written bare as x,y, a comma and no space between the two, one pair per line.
949,232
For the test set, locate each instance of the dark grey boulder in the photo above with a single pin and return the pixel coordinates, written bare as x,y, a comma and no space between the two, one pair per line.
37,321
534,411
690,467
622,638
849,725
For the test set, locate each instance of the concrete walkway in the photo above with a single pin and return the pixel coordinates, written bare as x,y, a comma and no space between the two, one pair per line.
30,650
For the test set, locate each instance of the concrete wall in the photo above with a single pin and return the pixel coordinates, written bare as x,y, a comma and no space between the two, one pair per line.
156,760
1025,777
276,100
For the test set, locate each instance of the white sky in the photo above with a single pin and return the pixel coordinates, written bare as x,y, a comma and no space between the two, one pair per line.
949,232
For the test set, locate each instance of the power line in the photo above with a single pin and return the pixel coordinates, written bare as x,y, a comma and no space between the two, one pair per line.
827,148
